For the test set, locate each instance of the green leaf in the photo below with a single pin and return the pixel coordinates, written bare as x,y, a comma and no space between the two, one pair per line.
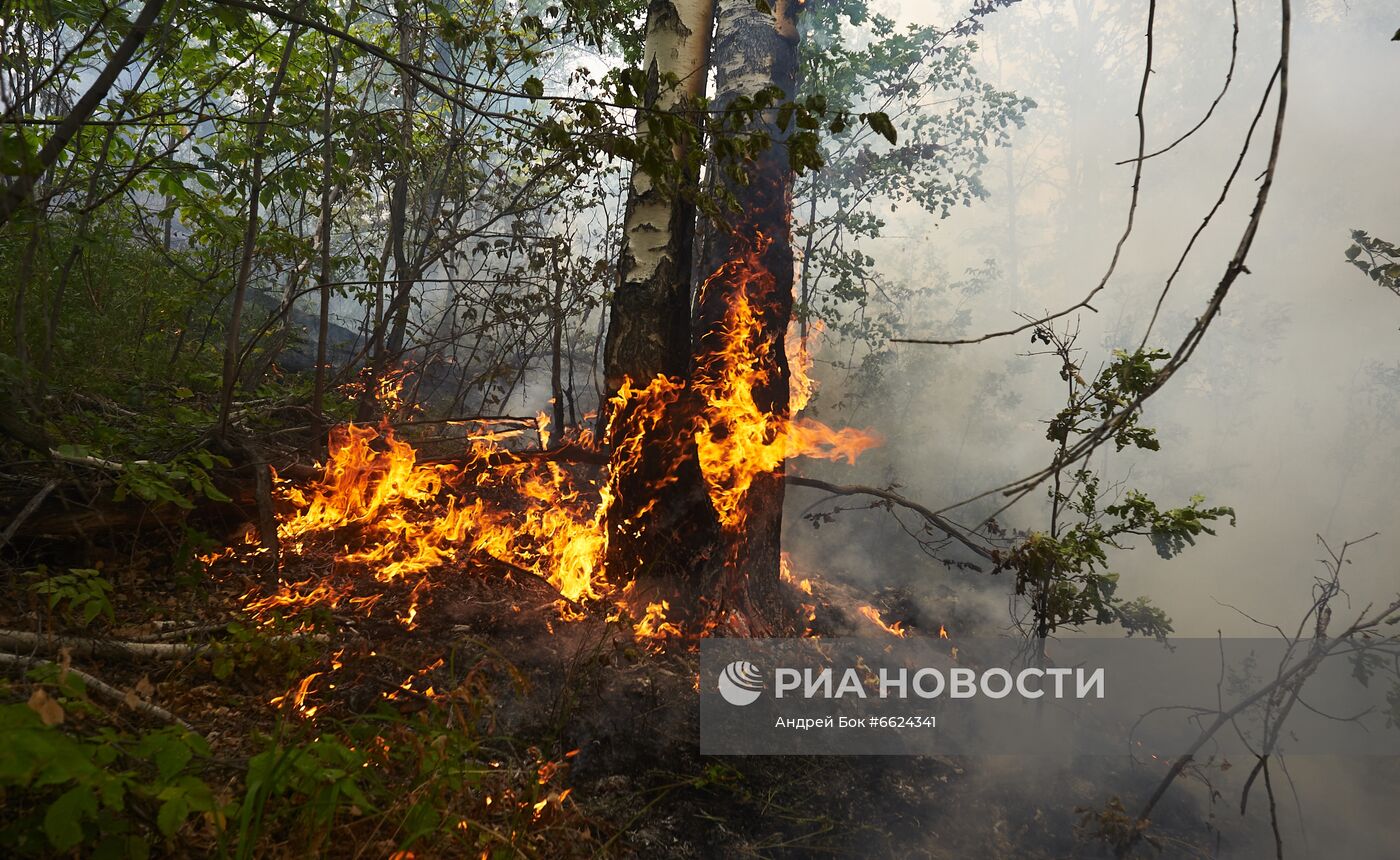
878,121
172,814
63,822
172,757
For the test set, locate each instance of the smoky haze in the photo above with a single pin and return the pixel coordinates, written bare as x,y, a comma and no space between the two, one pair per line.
1283,413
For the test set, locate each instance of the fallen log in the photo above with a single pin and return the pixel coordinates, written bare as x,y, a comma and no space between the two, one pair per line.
80,646
97,685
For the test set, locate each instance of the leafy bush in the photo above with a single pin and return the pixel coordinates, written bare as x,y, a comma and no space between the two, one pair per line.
80,595
110,793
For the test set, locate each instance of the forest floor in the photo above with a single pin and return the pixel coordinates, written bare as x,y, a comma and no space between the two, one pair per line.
161,698
491,728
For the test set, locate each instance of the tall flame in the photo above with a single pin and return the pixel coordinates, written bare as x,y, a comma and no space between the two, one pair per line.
408,520
737,439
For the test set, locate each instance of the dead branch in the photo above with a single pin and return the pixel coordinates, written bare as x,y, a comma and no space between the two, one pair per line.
1090,442
94,462
952,530
1127,227
26,512
1281,693
80,646
184,632
1229,77
102,688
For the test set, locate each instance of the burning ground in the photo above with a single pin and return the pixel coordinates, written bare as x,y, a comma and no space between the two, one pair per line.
430,661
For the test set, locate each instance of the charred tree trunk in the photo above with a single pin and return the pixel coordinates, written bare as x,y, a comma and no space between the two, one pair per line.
556,352
659,522
694,523
754,49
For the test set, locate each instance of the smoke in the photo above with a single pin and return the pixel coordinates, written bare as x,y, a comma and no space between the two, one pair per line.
1284,413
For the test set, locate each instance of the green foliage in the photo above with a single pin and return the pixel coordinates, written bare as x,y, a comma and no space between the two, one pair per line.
107,794
175,481
1065,571
1378,259
1118,386
322,774
80,595
1066,574
930,122
429,775
270,651
124,312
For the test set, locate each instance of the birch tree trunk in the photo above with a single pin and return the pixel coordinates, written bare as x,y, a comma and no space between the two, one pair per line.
755,49
649,328
659,521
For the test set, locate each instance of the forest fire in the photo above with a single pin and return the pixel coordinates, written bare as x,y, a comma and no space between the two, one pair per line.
405,520
469,603
873,614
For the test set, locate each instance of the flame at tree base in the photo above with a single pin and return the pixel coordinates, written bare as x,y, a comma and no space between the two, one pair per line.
378,508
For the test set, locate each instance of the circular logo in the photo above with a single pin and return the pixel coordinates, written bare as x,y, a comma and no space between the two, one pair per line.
740,683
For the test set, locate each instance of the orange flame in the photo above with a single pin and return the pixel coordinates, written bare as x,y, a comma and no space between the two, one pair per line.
895,629
739,440
377,505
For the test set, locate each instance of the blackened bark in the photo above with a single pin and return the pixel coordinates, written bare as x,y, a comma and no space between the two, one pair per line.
659,520
755,49
649,323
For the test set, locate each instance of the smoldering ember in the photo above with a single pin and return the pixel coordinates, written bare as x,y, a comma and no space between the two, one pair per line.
931,683
404,404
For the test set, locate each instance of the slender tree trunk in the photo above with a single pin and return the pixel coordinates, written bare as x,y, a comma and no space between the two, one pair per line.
393,320
323,274
18,311
649,329
556,367
659,519
250,236
398,211
754,49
